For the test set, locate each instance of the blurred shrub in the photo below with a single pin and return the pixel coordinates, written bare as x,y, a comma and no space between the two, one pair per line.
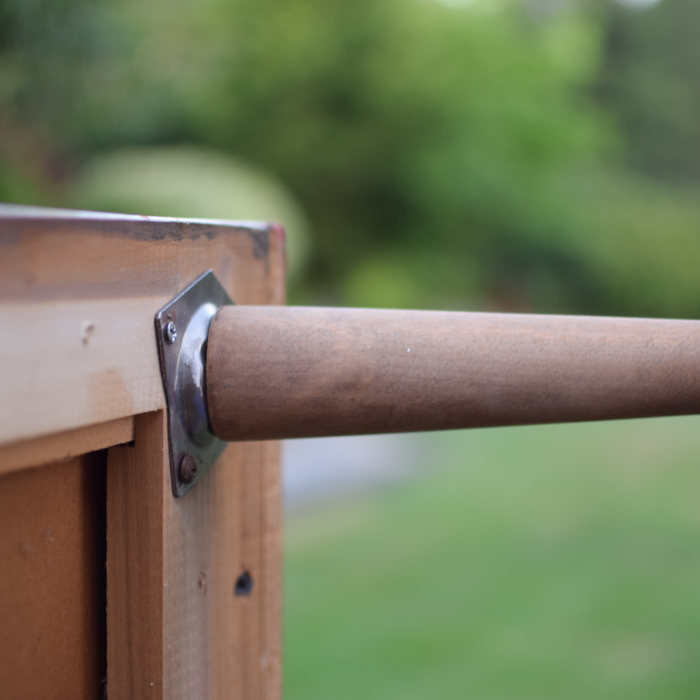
190,182
470,154
651,83
643,242
411,129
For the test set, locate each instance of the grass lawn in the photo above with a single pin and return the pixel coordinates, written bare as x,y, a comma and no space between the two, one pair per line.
538,562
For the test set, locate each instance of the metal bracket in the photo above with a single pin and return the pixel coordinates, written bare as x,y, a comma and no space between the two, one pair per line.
182,329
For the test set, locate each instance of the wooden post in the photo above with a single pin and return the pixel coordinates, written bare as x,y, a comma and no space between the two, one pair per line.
84,479
300,372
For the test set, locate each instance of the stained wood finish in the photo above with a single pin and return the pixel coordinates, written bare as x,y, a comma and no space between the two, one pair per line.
52,581
80,294
173,619
303,372
62,446
136,484
93,357
175,627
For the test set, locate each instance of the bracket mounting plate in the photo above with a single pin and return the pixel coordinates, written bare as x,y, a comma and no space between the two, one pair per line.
182,329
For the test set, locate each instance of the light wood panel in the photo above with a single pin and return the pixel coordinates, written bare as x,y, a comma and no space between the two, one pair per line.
78,297
75,363
275,372
236,511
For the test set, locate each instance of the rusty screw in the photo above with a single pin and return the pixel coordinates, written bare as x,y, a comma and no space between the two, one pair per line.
188,469
170,332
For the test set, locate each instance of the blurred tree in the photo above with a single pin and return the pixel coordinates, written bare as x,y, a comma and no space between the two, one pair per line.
445,154
651,82
411,131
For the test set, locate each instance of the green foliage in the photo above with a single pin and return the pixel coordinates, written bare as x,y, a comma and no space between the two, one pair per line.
643,243
445,156
405,126
540,562
652,83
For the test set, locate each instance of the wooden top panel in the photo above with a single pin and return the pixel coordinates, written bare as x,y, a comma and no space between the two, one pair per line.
78,294
88,255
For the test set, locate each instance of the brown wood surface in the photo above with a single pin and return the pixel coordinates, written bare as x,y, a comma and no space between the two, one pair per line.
52,581
79,295
93,357
302,372
94,284
175,628
60,446
135,543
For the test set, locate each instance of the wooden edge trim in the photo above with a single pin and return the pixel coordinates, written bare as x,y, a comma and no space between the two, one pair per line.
64,445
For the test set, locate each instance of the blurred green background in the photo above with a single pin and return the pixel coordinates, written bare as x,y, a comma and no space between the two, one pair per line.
557,562
484,154
515,155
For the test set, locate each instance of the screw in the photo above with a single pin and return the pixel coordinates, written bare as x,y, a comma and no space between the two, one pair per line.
170,332
243,585
188,469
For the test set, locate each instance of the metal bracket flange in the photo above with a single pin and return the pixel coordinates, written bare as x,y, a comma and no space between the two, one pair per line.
182,329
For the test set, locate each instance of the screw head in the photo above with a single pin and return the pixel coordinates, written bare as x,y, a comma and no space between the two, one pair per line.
188,469
170,332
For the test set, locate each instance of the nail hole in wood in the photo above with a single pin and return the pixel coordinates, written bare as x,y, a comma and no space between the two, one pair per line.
243,585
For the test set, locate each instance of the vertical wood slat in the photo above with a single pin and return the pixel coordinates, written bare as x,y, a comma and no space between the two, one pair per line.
271,574
176,628
203,640
249,561
52,581
135,484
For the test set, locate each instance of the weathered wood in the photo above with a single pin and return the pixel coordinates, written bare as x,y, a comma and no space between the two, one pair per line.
77,298
260,557
175,627
75,363
136,484
171,563
234,510
61,446
302,372
52,581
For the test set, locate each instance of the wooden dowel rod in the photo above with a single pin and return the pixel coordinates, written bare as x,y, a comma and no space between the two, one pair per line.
281,372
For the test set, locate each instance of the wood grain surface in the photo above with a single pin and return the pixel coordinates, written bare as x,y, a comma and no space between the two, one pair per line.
303,372
136,483
79,293
176,628
77,299
52,581
70,443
